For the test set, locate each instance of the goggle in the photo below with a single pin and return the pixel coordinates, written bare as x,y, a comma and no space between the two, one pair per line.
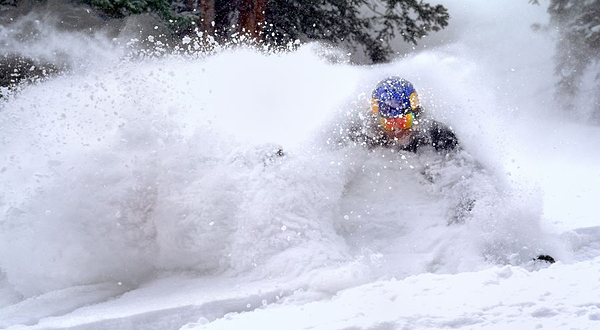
396,124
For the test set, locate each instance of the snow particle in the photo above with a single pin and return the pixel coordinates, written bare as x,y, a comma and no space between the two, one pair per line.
283,228
346,217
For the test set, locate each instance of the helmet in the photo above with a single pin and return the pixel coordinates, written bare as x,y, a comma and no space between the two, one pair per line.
395,103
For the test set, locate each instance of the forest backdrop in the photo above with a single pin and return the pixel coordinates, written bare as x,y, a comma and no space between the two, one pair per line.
371,27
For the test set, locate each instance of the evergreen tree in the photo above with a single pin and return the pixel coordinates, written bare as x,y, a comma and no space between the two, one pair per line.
578,46
179,15
370,24
7,3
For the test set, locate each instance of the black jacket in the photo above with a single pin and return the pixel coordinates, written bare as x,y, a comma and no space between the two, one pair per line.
428,133
435,134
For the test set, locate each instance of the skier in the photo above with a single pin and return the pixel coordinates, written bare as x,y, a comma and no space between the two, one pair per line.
397,119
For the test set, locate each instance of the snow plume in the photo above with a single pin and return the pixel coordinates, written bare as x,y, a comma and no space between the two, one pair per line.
57,33
168,164
235,163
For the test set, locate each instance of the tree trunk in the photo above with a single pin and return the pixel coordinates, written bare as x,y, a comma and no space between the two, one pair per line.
252,17
190,5
208,16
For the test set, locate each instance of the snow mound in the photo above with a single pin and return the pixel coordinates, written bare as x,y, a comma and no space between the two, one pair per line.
494,298
178,164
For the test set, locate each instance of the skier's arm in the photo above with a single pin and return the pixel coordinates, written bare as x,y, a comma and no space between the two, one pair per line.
442,137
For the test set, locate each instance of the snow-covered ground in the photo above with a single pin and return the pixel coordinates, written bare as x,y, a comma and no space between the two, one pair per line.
219,193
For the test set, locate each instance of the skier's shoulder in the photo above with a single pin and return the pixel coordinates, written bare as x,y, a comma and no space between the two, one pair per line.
439,135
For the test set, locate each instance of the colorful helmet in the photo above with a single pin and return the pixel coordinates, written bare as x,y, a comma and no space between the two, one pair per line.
395,102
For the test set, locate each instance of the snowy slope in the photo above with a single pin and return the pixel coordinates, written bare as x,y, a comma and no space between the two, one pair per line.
496,298
153,194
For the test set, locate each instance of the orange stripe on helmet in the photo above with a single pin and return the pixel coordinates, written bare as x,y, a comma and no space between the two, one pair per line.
414,101
375,106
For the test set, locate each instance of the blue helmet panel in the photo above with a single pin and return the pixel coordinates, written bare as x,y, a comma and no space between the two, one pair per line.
393,97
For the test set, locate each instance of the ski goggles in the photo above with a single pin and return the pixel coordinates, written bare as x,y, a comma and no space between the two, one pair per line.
401,123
